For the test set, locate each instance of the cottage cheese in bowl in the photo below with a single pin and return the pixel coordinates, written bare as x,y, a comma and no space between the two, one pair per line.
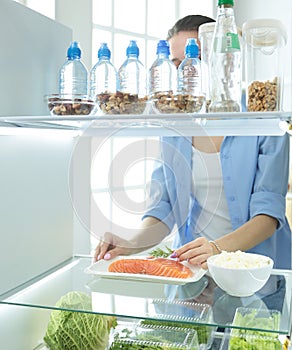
238,273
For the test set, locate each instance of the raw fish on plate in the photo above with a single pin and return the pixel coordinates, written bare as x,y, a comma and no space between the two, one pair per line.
167,268
151,266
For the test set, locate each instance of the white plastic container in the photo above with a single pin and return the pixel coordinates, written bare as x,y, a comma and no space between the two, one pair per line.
184,314
128,335
264,40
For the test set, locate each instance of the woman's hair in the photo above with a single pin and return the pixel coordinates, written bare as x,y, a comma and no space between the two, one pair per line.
188,23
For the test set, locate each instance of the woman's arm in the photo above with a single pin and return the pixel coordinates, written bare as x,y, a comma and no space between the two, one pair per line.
152,232
253,232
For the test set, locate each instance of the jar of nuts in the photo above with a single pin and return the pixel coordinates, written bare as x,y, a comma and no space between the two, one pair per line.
264,41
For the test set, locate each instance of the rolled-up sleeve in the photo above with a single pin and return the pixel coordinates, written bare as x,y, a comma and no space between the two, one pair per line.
271,179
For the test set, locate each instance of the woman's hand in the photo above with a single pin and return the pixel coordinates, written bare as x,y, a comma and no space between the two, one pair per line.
196,252
112,246
151,232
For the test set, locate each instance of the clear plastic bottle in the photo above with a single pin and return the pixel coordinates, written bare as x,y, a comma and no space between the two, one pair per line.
73,75
103,75
205,34
162,81
132,82
189,71
132,74
190,76
162,73
225,65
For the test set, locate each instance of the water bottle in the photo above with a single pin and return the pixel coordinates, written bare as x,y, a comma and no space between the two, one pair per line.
132,81
132,75
225,68
162,83
190,77
73,74
103,75
162,73
189,71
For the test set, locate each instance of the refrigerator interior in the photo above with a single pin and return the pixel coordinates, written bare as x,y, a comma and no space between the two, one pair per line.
38,227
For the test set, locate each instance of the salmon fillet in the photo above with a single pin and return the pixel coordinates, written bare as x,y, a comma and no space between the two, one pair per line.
153,266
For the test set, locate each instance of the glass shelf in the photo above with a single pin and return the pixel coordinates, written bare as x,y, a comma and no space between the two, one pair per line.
136,300
212,124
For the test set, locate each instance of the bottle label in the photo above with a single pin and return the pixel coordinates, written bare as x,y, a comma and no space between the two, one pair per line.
228,43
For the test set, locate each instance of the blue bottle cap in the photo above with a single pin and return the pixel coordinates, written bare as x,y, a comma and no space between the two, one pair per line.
104,51
132,49
192,48
73,51
163,47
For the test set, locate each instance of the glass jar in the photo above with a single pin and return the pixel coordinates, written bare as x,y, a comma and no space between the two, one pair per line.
205,34
264,40
225,62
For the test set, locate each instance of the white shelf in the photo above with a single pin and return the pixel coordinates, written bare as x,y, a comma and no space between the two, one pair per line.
237,124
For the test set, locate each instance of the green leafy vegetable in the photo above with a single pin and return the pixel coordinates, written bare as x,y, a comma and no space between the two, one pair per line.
160,253
249,339
140,345
73,330
154,338
203,332
254,343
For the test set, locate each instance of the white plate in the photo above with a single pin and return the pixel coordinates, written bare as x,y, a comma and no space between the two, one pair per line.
100,268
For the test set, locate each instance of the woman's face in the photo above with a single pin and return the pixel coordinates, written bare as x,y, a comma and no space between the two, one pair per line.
177,45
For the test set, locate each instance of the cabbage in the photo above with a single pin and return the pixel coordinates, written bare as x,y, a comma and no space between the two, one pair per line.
73,330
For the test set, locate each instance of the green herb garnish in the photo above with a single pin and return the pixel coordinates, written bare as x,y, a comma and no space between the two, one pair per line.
160,253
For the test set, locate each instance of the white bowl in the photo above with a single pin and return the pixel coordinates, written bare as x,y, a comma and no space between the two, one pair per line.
237,280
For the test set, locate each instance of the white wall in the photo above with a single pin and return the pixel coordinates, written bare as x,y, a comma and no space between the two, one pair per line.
77,15
33,47
36,215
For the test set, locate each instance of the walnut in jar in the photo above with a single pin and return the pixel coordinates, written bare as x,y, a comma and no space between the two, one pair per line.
181,103
121,103
263,96
61,106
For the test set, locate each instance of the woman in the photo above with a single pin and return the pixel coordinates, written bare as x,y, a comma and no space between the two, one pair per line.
222,193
